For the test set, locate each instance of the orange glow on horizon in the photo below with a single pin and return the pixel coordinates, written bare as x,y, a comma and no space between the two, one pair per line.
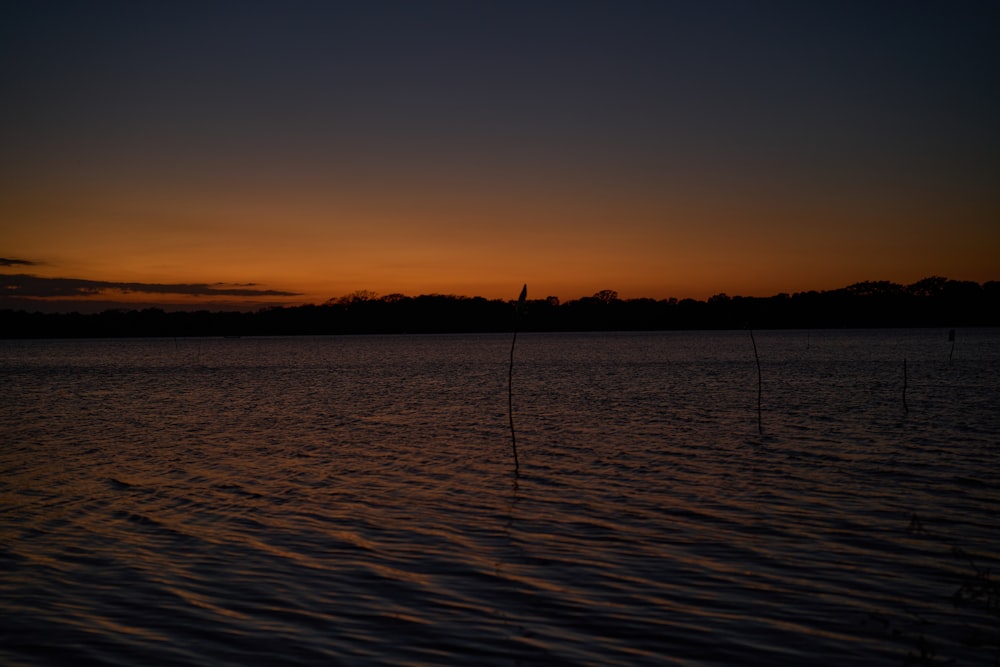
566,248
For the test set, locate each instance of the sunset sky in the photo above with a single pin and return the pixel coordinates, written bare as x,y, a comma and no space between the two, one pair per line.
288,152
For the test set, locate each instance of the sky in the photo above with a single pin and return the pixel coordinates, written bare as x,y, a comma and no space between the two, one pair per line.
217,153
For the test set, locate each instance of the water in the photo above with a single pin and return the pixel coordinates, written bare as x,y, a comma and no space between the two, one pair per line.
353,500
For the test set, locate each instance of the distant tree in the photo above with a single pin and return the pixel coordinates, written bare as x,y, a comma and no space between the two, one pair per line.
962,289
606,296
360,295
928,287
875,288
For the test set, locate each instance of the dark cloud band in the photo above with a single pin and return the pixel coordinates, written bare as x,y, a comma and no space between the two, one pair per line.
24,285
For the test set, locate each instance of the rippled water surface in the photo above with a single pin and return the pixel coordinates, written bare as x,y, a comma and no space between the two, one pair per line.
354,500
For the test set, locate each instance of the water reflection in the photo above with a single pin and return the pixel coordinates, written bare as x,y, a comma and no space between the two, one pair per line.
353,500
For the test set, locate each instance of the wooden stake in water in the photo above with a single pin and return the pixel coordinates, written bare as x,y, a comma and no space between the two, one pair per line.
760,425
510,374
906,410
951,339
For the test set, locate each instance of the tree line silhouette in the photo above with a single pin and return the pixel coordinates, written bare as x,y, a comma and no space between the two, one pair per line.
930,302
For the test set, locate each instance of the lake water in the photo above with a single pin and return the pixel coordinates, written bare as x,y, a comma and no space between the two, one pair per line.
354,500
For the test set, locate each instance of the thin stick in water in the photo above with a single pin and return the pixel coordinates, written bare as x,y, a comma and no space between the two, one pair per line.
510,375
760,425
906,409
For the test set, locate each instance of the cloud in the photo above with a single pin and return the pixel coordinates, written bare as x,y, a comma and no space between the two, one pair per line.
24,285
9,261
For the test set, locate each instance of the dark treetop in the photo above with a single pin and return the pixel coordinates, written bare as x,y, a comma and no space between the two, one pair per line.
930,302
